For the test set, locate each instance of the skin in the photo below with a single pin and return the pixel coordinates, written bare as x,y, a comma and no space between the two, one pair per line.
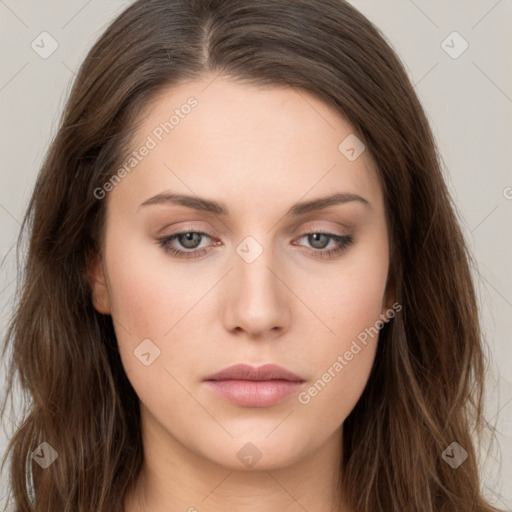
259,151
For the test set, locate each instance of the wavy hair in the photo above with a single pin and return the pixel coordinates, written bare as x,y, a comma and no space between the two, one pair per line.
426,385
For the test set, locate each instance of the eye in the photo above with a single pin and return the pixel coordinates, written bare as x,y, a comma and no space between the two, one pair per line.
191,240
188,239
321,240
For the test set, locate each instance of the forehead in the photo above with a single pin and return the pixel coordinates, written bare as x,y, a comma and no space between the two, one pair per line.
246,144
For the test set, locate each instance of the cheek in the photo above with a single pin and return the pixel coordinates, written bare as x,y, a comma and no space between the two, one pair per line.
351,298
341,360
146,293
350,306
337,388
149,309
157,299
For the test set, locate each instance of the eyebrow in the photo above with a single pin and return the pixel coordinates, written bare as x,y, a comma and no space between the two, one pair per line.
210,206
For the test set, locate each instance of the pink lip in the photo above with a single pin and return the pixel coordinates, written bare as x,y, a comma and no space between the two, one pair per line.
249,386
248,372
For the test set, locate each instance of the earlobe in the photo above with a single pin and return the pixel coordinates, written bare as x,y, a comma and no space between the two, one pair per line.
100,295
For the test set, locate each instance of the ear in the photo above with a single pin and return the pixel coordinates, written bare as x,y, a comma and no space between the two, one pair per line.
100,295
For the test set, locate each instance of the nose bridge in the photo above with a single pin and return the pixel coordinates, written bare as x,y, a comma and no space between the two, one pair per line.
252,267
256,302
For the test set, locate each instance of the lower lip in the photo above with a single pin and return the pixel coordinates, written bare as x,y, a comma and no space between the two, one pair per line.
248,393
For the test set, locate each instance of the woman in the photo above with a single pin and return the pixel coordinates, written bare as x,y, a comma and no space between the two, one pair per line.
246,287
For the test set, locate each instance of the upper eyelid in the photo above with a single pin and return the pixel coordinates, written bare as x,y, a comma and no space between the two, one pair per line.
325,231
313,229
340,226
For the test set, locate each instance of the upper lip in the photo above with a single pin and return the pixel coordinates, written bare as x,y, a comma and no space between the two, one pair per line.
260,373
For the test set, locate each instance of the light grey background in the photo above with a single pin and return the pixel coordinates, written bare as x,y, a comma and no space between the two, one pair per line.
468,100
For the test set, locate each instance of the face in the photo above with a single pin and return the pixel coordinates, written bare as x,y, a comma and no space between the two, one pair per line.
244,271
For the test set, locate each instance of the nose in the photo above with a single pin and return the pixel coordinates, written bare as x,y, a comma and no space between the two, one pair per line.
257,298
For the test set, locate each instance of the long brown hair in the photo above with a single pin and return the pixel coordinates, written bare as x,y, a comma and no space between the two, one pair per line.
426,386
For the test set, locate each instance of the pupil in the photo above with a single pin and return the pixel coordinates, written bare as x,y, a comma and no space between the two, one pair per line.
189,237
316,237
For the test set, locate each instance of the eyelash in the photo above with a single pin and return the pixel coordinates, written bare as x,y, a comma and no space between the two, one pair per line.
343,242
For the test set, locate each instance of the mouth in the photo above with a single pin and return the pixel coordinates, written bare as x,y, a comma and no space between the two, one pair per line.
250,386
